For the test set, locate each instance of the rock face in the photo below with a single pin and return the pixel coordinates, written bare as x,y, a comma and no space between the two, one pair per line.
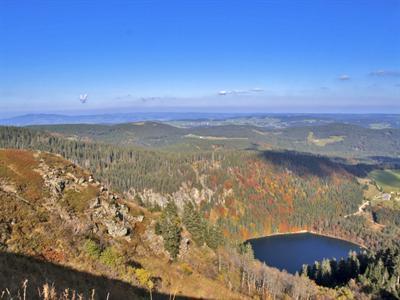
184,246
86,208
115,216
102,211
184,194
155,242
192,194
116,229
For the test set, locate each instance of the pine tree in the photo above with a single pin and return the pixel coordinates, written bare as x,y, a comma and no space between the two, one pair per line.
326,272
194,223
170,229
354,265
305,270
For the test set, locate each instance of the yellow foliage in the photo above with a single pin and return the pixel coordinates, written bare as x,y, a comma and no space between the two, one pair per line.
144,278
187,269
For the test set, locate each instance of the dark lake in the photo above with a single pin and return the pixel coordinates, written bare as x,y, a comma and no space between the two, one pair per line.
290,251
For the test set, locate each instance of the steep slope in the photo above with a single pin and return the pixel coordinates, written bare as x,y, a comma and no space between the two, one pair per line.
60,226
246,193
63,232
241,194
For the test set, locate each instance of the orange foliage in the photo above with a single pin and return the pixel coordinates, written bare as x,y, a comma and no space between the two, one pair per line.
228,185
53,255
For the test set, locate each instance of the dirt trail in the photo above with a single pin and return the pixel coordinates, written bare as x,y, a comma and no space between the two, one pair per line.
361,209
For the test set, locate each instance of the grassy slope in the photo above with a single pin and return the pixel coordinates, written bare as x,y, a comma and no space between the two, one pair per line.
44,247
389,180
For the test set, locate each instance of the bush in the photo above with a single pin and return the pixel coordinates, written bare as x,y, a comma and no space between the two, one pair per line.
187,269
144,278
92,248
111,257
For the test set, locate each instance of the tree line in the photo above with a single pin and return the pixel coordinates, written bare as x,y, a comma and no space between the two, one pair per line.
376,273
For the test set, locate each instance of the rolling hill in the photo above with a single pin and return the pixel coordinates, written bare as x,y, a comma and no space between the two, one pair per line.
336,139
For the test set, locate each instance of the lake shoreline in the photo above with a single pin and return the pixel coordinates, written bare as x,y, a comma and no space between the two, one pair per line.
308,231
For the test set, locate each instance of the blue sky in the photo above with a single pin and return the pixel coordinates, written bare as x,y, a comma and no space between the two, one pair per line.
320,55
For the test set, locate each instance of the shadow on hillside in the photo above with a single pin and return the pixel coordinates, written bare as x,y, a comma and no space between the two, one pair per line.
15,269
304,164
388,162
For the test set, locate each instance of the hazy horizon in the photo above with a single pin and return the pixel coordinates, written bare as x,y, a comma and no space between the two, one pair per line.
209,110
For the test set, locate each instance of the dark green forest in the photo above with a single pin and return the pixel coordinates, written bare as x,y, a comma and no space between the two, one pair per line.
376,273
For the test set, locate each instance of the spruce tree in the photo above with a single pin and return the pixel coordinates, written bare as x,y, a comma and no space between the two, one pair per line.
170,229
194,223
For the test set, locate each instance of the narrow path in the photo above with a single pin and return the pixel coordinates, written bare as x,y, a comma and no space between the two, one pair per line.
361,209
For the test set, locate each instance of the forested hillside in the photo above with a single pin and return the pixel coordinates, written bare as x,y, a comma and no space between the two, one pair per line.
63,235
335,139
246,193
225,196
373,273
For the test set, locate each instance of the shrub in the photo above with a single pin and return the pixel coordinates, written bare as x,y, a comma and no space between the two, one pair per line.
144,278
187,269
92,248
111,257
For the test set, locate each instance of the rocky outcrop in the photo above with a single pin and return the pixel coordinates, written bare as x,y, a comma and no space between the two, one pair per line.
192,194
184,194
116,229
184,246
107,211
155,242
102,211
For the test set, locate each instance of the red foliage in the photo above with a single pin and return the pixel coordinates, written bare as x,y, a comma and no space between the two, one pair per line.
53,255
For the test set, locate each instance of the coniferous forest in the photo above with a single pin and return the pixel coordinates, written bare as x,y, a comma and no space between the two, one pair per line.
224,197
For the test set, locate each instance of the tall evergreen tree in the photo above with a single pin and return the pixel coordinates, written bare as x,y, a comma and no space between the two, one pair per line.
170,229
194,223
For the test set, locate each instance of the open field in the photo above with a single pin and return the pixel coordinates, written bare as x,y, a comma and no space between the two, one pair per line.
323,142
389,180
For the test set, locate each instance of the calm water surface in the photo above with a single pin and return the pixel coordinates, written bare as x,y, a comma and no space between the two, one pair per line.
290,251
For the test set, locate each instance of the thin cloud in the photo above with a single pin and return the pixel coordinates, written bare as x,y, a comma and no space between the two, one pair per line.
241,92
124,97
149,99
385,73
130,97
344,77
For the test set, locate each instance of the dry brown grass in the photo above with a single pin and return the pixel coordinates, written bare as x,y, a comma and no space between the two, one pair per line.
46,292
54,259
78,200
19,166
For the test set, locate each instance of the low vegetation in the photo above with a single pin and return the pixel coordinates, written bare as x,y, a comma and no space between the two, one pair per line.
322,142
387,180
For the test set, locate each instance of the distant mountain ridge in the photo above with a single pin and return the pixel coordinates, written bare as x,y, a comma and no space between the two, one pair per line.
204,119
110,118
